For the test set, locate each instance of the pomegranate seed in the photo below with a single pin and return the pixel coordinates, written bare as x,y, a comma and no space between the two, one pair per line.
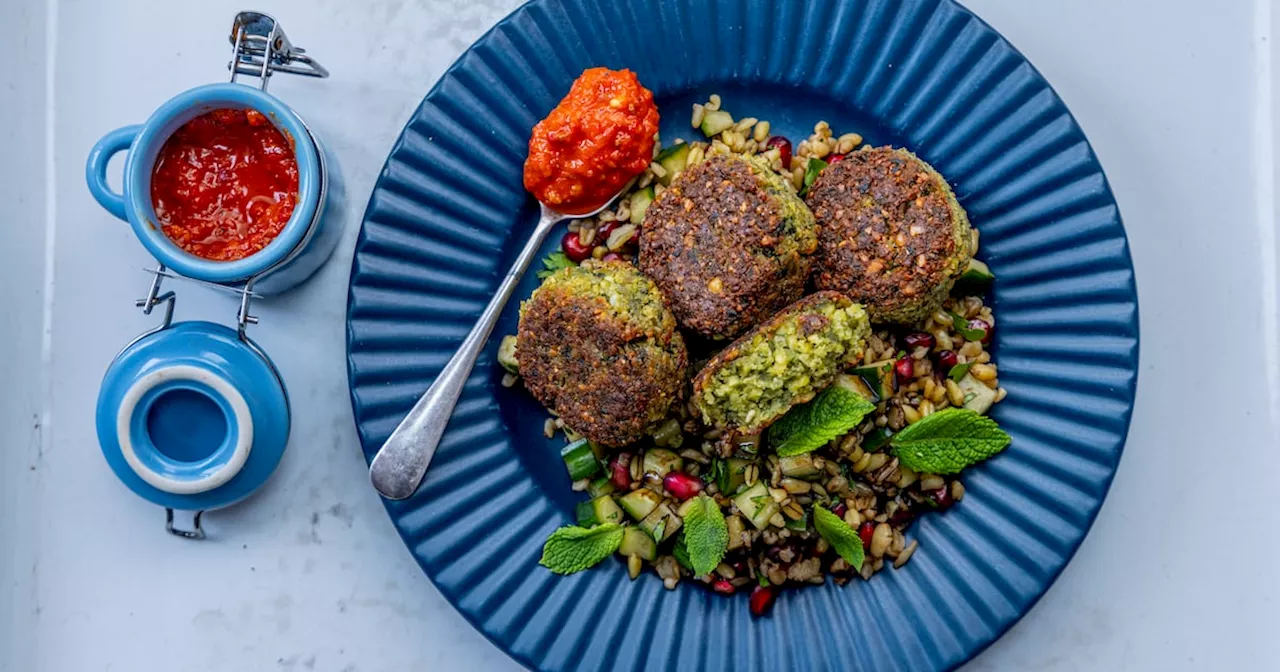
840,509
919,339
573,247
905,369
723,587
784,149
762,598
903,515
611,256
835,158
941,498
739,565
682,486
979,323
621,471
864,532
946,361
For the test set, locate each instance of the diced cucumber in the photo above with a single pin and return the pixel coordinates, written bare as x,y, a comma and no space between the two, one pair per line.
586,515
668,434
799,466
859,385
685,506
879,377
580,460
673,161
757,504
715,122
640,203
607,510
975,281
640,502
507,354
680,551
748,444
636,541
601,486
598,511
977,397
798,525
661,523
736,528
977,272
732,476
875,439
661,461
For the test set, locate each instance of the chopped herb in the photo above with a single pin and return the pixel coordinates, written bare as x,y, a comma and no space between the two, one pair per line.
553,262
962,327
959,371
811,171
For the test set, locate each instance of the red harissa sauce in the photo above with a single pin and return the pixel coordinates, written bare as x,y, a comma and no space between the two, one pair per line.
598,138
225,184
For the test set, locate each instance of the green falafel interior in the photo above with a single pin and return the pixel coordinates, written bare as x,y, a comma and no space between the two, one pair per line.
783,362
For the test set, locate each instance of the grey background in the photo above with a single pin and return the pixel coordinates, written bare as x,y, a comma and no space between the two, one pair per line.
1179,572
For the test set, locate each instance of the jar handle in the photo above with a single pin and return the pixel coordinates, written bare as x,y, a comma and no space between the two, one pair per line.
95,170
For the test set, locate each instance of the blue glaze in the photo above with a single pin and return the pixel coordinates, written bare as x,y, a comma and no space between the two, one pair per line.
184,429
925,74
143,144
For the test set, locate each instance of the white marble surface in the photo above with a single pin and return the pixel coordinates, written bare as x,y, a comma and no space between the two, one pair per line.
1179,573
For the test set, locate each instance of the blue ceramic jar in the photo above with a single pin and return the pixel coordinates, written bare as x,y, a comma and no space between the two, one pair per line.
306,241
194,415
190,418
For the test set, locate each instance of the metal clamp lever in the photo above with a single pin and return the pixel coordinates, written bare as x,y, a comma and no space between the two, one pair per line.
196,533
260,48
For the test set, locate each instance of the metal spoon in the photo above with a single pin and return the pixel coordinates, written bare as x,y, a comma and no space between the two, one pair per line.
400,464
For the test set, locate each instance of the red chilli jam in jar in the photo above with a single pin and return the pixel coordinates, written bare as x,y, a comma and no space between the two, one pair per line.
225,184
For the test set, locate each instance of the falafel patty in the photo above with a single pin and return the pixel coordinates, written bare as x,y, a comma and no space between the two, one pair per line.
597,345
784,361
729,243
890,233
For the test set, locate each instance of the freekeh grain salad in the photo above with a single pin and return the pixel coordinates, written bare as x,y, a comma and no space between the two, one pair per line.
815,419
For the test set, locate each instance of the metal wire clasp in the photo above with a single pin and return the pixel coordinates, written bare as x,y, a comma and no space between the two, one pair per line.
260,48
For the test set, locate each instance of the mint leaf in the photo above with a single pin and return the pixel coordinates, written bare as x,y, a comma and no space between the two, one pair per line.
959,371
948,441
832,413
706,535
843,538
572,549
811,171
554,262
961,326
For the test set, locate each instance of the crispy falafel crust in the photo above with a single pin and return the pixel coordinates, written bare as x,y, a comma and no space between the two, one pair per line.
891,233
597,345
729,244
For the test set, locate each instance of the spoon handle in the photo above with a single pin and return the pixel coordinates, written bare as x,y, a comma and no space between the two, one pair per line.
400,464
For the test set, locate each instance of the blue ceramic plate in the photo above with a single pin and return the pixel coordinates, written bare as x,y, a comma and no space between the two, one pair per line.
448,215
